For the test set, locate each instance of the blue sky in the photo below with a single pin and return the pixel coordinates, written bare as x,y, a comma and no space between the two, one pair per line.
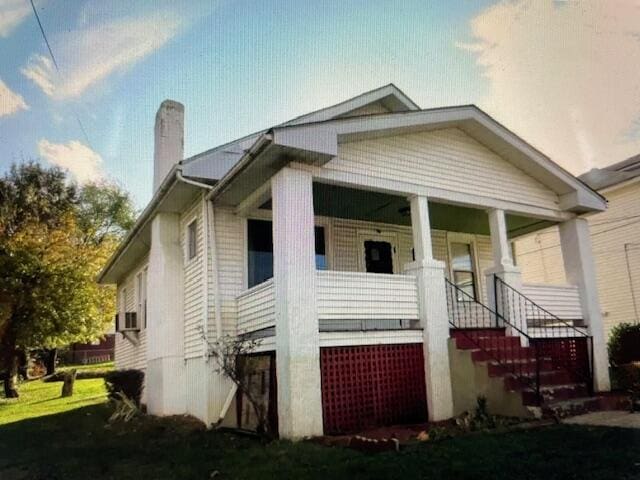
545,69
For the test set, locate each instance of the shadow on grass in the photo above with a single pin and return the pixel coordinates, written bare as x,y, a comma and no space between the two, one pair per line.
78,445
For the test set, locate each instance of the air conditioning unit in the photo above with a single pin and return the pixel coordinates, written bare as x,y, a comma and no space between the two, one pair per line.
130,322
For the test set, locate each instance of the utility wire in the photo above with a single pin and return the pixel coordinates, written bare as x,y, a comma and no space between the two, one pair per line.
593,235
55,64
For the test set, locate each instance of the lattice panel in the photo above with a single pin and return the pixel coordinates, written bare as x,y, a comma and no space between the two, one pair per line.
571,354
370,386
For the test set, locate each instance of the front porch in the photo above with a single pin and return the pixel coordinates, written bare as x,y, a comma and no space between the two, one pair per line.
348,267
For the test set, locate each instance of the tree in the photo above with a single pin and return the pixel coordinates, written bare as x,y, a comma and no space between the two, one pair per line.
50,254
105,211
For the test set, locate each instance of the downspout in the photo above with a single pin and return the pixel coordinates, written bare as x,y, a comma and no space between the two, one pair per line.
212,251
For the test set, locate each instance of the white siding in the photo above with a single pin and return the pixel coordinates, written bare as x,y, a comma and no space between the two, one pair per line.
193,282
447,159
540,255
561,300
231,253
361,296
127,354
256,308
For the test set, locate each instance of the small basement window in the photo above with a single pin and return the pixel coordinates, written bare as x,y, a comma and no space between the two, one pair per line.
192,232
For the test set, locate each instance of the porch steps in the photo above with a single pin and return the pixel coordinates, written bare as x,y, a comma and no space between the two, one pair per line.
501,353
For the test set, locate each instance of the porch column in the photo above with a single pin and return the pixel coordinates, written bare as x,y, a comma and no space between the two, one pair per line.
294,274
434,320
580,270
508,302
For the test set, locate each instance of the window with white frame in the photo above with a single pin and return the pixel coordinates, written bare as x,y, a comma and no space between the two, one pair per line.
192,238
141,287
462,266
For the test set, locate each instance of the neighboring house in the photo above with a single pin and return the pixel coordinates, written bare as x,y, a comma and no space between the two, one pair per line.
367,245
101,350
615,235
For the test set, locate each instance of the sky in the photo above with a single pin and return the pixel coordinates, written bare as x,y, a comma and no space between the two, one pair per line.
563,75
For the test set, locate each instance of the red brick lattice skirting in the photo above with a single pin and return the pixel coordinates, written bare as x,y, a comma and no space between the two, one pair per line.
571,354
370,386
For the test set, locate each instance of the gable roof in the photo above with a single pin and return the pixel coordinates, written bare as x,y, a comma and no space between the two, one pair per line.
317,142
215,163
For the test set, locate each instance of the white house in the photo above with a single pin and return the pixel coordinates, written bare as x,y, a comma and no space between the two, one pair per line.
615,235
367,245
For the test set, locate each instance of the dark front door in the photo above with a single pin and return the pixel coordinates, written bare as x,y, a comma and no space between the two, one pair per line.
378,256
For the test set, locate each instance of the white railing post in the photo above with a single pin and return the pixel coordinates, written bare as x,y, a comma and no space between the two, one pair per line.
581,271
432,303
296,310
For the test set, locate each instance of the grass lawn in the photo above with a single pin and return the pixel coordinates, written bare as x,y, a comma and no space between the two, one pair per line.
73,441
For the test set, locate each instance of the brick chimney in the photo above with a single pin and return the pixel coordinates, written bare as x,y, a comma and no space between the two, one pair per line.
169,140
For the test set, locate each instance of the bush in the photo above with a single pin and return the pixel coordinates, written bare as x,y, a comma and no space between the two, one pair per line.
127,382
624,344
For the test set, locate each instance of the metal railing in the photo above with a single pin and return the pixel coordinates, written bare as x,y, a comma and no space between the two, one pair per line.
506,354
569,347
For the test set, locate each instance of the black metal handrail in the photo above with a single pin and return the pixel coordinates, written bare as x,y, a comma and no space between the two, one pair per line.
523,311
467,315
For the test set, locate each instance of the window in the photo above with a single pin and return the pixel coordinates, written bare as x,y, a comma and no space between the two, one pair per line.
462,270
260,251
141,280
192,232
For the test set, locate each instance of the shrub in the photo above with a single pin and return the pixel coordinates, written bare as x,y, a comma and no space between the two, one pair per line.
624,344
126,382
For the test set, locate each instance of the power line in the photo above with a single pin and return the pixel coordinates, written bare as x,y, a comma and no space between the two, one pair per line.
593,235
55,63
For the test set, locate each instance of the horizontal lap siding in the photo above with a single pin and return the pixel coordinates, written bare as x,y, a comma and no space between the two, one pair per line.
561,301
230,244
345,296
193,282
256,309
446,159
127,354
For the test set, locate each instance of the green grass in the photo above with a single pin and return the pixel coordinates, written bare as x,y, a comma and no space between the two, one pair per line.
44,437
89,367
38,398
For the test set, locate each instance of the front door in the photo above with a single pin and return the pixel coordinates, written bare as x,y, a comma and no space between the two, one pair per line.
378,256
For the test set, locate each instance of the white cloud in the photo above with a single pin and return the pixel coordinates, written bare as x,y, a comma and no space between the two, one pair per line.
84,164
12,13
89,55
10,101
564,75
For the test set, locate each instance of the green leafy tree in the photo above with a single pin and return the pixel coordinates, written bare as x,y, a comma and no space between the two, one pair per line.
53,242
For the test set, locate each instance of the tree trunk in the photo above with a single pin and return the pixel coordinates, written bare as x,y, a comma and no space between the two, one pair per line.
50,362
11,375
67,385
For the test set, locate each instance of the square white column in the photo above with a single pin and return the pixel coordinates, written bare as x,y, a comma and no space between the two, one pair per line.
580,271
297,336
508,301
434,316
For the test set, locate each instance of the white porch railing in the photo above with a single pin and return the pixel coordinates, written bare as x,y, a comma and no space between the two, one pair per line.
256,308
366,301
563,301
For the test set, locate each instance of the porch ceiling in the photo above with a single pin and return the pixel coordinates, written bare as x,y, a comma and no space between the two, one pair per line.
342,202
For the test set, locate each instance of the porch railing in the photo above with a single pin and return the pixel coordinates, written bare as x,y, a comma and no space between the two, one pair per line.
350,301
569,346
474,321
256,308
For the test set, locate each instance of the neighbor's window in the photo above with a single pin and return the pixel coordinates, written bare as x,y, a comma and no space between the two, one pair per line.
192,231
462,270
260,251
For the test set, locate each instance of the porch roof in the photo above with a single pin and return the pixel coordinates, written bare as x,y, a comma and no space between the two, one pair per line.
317,142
